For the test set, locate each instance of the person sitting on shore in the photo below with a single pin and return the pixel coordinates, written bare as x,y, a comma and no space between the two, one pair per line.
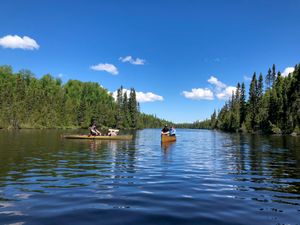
165,130
172,131
93,130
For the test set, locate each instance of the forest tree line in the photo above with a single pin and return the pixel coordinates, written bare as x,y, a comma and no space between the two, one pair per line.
273,106
29,102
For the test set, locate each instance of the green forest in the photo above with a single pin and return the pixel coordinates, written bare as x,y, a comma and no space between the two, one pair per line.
29,102
272,106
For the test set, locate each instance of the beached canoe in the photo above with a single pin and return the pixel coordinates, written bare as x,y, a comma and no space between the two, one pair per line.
118,137
167,138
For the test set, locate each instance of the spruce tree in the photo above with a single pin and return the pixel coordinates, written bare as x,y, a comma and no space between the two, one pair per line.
260,87
242,104
273,75
252,103
268,78
133,108
119,114
261,107
125,111
213,120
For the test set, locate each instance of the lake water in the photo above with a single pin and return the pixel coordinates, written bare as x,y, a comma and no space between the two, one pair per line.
206,177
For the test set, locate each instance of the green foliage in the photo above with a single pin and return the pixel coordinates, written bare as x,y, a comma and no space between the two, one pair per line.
243,108
275,111
133,109
205,124
275,129
28,102
213,120
297,130
128,114
151,121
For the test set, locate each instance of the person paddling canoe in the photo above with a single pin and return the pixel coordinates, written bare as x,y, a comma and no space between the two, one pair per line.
93,130
165,130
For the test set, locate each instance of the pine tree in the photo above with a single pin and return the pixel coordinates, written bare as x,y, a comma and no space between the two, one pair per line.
242,104
262,109
213,120
120,96
235,112
260,87
238,92
268,78
133,109
273,75
252,103
119,114
125,111
275,110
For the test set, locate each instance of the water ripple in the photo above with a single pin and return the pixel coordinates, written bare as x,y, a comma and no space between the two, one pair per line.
206,177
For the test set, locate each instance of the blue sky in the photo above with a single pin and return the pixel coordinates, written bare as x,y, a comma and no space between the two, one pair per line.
207,46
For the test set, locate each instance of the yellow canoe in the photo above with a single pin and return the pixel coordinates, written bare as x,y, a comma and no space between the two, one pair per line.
80,136
167,138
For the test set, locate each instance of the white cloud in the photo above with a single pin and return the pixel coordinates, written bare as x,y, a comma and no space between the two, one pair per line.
222,91
126,59
213,80
219,89
199,93
246,78
15,41
141,96
148,97
133,61
226,93
110,68
287,71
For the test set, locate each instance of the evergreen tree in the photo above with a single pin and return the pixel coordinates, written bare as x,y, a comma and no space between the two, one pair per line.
125,111
262,107
252,104
28,102
242,104
273,75
260,87
133,108
268,78
235,112
238,92
276,111
213,120
119,114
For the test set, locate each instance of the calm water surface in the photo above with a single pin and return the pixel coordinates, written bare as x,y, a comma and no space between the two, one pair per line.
206,177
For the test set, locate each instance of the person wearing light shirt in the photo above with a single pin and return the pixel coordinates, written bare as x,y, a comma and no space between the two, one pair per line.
172,131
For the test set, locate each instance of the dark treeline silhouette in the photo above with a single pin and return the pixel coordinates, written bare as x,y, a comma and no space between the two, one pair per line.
28,102
273,109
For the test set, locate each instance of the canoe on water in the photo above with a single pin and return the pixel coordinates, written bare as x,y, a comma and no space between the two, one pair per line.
80,136
167,138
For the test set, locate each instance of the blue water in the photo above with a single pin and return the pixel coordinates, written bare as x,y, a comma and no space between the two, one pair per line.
206,177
